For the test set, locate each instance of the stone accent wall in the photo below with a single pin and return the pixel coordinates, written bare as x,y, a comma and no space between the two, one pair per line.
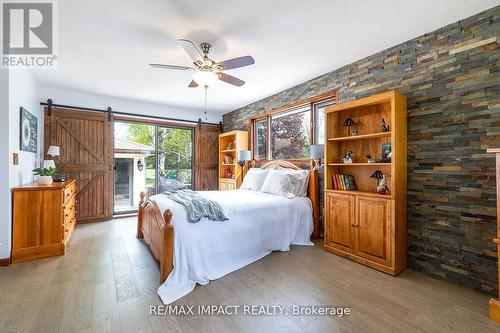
452,80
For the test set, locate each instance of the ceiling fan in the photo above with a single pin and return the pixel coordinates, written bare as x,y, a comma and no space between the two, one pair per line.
207,71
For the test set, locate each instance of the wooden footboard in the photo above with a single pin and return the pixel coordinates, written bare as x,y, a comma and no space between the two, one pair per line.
158,233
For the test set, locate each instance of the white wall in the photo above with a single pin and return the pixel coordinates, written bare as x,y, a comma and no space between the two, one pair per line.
5,158
18,89
76,98
23,92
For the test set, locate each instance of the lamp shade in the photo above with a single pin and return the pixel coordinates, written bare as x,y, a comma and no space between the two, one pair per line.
53,151
317,152
244,155
49,164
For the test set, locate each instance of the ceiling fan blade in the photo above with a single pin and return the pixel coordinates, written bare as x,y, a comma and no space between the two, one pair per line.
236,62
231,79
191,49
193,84
181,68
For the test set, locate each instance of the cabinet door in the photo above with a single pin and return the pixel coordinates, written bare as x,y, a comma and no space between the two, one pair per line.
222,186
339,221
373,229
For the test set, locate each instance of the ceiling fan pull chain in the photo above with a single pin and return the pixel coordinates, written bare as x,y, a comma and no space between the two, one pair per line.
206,89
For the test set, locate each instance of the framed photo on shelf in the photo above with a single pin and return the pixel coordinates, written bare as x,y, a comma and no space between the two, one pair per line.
386,152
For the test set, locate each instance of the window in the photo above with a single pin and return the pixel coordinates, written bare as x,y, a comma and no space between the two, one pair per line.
260,140
319,121
288,133
291,134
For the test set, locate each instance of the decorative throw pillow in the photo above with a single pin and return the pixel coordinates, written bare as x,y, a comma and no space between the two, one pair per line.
287,183
300,172
254,179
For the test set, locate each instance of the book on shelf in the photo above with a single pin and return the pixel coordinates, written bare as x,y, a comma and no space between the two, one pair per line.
343,182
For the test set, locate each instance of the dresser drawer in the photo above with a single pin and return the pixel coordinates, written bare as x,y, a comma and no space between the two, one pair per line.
68,229
69,209
69,192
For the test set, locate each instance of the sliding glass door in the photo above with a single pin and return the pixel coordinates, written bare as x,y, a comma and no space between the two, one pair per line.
150,158
175,157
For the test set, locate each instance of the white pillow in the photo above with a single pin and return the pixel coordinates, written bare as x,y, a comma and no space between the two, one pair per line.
254,179
287,183
299,172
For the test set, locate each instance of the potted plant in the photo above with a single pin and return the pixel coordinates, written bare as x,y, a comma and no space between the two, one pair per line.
45,175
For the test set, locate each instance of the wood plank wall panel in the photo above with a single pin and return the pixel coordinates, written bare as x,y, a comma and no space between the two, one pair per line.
451,78
86,143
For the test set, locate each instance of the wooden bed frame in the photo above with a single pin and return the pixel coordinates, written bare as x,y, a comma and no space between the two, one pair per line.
158,232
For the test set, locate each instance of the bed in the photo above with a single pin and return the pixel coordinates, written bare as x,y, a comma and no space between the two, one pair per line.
259,223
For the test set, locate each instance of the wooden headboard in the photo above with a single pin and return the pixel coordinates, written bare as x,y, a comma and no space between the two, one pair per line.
312,189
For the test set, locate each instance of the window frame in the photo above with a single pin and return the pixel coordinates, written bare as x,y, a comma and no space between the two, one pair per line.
315,106
311,102
254,137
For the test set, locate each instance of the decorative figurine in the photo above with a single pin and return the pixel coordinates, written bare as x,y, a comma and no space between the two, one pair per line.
381,182
384,126
382,186
370,159
354,132
347,158
348,123
386,152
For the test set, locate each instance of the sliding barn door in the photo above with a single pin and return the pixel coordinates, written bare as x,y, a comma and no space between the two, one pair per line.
206,158
86,143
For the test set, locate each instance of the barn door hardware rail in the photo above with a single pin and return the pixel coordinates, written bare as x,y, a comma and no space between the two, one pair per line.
50,105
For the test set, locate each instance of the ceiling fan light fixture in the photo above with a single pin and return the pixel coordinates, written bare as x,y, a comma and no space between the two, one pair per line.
205,78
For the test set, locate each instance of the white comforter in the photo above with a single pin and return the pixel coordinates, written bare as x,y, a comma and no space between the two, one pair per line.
258,224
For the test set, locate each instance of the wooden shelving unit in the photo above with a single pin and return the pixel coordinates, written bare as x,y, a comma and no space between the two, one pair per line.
494,304
362,225
238,141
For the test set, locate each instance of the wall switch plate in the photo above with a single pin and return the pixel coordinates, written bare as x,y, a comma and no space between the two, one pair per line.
15,159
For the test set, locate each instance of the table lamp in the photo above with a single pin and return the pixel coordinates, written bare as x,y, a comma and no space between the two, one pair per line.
317,153
53,152
243,157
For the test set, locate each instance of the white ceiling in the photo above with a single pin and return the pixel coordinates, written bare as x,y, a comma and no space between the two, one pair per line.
105,46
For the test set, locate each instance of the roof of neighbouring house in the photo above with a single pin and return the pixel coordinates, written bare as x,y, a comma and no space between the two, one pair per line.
126,146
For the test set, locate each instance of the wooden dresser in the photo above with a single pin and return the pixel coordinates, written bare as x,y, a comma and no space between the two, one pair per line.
44,217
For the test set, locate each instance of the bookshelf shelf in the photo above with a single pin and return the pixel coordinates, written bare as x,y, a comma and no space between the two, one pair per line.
228,151
361,137
364,193
359,164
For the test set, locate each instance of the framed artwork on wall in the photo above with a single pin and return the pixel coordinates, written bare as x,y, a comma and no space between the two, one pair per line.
28,131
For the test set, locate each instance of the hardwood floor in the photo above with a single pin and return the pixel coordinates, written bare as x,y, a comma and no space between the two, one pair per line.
108,279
